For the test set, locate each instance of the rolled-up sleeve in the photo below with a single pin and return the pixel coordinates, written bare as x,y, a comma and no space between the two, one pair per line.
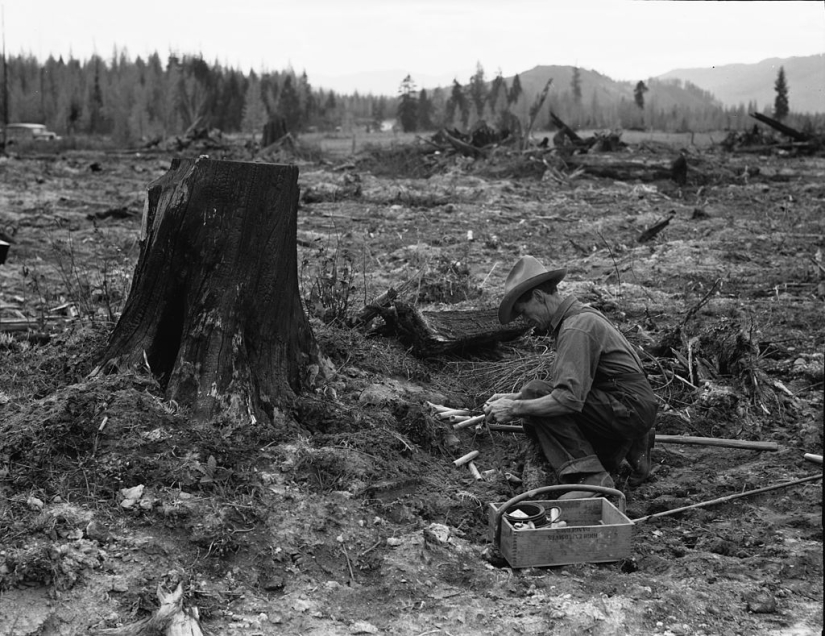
577,357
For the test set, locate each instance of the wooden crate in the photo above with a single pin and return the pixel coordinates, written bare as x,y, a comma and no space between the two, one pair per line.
596,532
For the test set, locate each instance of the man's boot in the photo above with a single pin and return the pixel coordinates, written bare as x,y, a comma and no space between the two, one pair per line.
591,479
639,458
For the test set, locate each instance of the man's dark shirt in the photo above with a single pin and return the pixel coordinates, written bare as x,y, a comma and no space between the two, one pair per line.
586,342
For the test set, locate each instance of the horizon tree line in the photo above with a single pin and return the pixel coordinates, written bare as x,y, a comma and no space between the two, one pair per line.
141,99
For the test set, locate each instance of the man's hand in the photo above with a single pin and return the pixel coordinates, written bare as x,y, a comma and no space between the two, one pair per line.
501,410
498,396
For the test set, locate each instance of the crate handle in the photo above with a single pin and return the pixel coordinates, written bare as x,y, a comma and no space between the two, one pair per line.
560,488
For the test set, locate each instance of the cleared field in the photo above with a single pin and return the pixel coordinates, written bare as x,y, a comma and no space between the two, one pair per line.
344,145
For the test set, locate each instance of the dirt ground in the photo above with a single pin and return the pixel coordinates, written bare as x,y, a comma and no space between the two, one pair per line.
353,519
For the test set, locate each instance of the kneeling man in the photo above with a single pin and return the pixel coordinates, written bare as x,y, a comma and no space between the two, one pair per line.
599,408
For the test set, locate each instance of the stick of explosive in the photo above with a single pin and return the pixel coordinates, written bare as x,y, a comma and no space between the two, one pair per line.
713,502
468,459
448,415
816,459
472,421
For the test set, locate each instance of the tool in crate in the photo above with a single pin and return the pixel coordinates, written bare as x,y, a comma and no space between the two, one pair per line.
561,532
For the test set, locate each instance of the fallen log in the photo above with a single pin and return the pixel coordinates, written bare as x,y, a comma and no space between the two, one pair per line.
769,148
116,213
779,126
432,333
565,129
622,170
463,147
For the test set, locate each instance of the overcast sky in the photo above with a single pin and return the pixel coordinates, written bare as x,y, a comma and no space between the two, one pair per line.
623,39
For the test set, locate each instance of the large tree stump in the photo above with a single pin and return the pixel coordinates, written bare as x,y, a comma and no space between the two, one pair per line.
214,309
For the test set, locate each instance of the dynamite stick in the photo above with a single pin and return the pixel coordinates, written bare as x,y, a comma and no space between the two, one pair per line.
468,460
464,459
444,415
470,422
816,459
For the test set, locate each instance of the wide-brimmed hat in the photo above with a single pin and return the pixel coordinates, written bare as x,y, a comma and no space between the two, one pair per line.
526,274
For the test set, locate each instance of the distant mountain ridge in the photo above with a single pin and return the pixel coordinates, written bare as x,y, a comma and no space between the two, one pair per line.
730,85
661,95
735,84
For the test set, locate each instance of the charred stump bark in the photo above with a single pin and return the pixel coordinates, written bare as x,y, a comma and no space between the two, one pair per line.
214,309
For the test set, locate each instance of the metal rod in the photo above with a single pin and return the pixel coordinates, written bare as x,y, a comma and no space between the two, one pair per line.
713,502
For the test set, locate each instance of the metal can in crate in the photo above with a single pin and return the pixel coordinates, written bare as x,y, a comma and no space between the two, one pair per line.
583,531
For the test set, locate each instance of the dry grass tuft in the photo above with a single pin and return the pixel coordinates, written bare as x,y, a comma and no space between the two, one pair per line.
530,359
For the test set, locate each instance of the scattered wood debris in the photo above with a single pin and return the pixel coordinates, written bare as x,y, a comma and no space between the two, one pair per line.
197,137
652,231
122,212
755,140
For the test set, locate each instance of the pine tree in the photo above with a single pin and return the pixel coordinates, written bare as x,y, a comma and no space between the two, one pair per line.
639,95
438,99
425,111
576,86
254,110
457,110
780,104
595,110
96,102
501,110
477,89
289,105
309,106
379,112
498,87
515,91
407,105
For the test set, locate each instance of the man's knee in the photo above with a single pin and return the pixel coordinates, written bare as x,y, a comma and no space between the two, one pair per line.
535,389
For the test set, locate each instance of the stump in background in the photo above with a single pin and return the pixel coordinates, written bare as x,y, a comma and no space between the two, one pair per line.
214,309
274,129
